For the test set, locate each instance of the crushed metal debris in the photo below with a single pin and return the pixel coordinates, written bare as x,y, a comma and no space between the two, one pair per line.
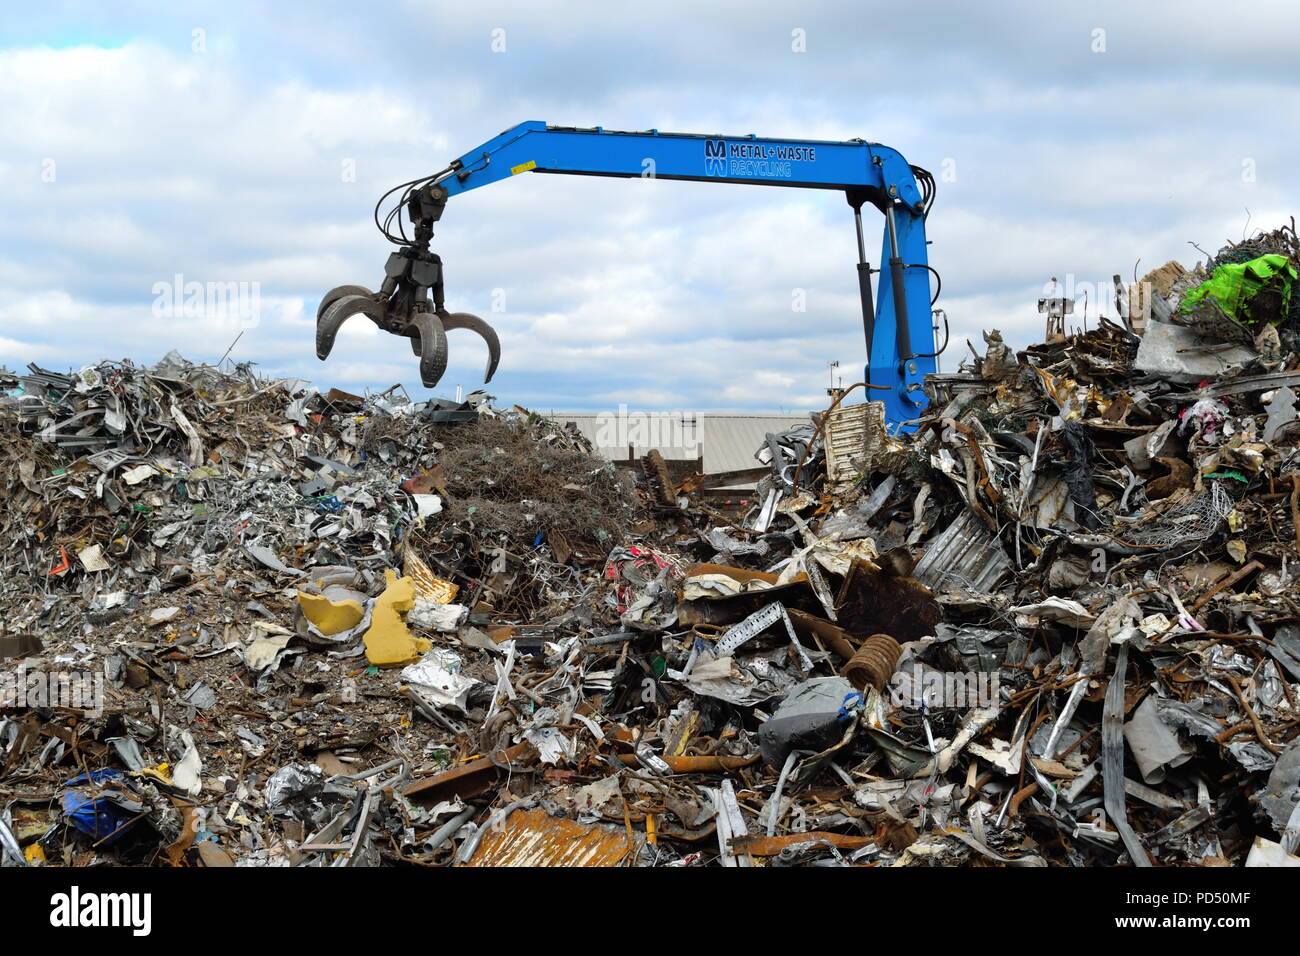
251,623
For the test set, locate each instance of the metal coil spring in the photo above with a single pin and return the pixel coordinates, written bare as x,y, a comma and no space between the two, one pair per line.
874,662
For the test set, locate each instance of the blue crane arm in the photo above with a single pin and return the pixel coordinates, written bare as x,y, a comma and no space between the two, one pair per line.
815,164
867,173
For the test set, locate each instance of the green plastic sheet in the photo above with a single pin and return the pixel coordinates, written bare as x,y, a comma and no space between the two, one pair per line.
1235,286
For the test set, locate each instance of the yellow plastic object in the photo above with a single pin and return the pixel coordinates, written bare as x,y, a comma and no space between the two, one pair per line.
330,617
389,643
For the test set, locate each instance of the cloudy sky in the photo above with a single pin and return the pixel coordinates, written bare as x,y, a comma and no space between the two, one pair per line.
233,142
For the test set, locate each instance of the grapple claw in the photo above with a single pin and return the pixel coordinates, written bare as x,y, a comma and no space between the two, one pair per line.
433,347
333,295
332,319
464,320
409,303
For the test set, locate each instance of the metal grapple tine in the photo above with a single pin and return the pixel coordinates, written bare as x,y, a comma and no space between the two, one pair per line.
332,319
464,320
433,347
333,295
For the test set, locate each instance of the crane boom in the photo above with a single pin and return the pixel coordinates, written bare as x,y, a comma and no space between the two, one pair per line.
867,173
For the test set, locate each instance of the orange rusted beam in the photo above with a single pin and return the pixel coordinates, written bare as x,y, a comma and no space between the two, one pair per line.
758,845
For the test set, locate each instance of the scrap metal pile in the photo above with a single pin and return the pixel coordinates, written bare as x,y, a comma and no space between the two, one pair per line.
1055,625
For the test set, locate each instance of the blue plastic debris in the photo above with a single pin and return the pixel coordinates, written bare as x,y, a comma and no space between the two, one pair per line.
93,813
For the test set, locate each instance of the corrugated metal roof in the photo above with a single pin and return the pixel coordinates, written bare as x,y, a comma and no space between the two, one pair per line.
964,553
727,442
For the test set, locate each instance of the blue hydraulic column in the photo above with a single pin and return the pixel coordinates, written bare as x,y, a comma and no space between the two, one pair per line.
902,322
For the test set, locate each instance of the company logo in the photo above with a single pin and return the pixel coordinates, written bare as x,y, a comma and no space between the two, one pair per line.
715,157
754,160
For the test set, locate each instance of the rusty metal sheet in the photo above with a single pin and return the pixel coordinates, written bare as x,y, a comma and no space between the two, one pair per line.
19,645
533,838
812,628
468,780
873,602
